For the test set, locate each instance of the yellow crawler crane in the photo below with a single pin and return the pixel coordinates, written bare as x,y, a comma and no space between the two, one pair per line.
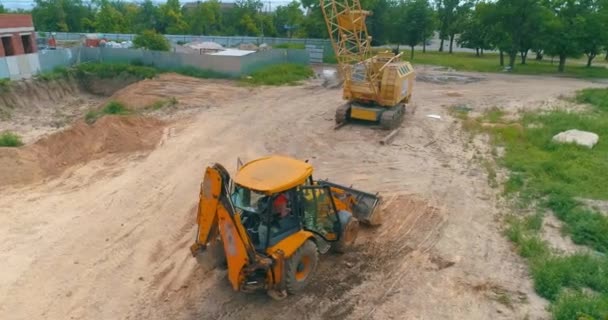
272,221
377,87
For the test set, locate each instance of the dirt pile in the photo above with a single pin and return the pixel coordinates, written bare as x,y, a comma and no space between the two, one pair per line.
80,143
188,92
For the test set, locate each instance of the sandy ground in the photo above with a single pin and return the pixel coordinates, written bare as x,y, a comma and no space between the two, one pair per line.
109,239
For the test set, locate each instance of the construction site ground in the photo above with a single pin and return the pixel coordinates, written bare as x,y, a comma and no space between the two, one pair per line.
105,233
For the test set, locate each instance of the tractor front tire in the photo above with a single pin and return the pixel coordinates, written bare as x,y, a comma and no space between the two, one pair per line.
300,267
348,234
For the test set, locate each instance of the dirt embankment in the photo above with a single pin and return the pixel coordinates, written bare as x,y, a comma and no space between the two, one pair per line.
28,95
80,143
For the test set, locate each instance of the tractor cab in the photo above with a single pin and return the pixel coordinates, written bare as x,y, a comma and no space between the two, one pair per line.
278,198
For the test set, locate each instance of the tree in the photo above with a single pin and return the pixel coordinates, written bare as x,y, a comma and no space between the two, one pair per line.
109,19
565,30
451,15
476,34
518,23
151,40
205,18
413,23
288,18
147,17
2,9
171,20
61,15
594,35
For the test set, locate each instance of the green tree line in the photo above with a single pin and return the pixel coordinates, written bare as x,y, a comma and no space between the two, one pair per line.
557,28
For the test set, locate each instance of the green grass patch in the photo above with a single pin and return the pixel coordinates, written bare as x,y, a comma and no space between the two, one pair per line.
111,70
198,73
289,46
160,104
548,176
576,284
55,74
596,97
280,74
552,274
5,85
112,108
490,62
579,306
10,139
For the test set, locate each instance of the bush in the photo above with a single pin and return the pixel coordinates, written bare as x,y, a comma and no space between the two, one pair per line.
280,74
114,107
10,139
151,40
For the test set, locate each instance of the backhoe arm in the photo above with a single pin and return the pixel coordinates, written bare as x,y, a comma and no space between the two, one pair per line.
216,213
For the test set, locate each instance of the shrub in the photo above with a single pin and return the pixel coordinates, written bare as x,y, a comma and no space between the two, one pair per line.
151,40
10,139
114,107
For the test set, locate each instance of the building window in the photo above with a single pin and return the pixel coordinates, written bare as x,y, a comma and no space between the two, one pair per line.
26,40
8,46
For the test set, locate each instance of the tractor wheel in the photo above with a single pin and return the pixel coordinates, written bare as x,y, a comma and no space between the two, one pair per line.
213,257
300,267
349,232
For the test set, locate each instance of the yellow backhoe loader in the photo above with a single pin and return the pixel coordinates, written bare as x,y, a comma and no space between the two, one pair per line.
270,223
376,87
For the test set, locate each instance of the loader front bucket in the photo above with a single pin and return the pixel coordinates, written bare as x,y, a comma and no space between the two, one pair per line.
363,203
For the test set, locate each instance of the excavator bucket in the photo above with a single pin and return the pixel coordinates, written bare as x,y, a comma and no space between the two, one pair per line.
363,204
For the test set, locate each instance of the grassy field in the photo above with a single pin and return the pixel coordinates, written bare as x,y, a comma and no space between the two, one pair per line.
548,178
489,62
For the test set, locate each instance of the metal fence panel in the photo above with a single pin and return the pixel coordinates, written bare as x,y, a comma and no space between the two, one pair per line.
251,63
4,73
51,59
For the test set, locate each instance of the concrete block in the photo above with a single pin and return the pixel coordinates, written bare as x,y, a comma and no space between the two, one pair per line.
583,138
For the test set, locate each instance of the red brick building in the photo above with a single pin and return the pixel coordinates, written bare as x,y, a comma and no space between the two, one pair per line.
17,35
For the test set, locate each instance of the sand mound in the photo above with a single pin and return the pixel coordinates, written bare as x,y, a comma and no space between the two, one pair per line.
187,91
80,143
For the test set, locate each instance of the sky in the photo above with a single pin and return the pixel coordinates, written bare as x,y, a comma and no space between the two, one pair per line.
28,4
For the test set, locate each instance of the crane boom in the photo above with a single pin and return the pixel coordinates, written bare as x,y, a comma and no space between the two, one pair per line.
350,40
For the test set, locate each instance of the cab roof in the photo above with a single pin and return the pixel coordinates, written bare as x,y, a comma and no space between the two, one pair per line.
273,174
